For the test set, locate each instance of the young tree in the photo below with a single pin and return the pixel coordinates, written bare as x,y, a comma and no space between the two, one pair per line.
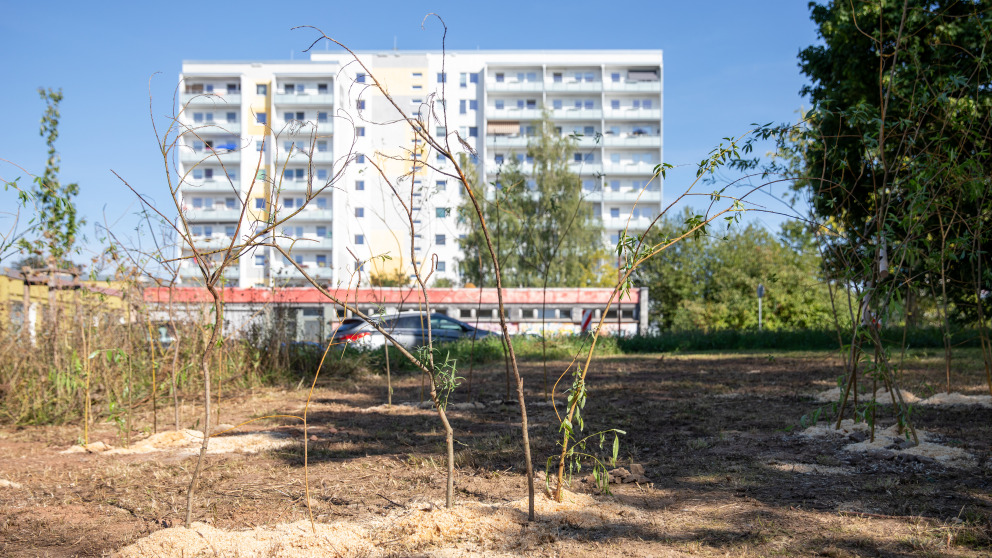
55,212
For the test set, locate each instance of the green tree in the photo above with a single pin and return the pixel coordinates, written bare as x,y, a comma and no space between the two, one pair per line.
544,229
55,212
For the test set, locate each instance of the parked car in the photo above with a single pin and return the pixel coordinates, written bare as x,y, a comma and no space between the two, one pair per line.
409,329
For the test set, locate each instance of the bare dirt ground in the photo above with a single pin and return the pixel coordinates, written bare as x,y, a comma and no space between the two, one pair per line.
726,477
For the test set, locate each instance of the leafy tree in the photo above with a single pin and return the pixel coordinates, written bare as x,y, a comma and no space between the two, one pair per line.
55,211
707,283
395,278
544,229
897,148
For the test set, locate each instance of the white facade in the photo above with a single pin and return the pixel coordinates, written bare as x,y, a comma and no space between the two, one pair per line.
261,134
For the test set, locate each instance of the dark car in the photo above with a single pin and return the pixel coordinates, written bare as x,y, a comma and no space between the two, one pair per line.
409,329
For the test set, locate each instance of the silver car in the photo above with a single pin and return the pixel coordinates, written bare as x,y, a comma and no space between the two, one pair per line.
409,329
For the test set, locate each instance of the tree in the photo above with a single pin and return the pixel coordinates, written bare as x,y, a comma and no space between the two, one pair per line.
544,229
897,149
54,209
706,282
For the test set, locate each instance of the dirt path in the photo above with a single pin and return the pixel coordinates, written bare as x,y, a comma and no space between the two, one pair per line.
726,477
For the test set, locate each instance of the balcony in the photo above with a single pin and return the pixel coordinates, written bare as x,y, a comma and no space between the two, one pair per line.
577,86
217,99
231,273
305,242
585,169
297,100
528,86
304,128
209,243
324,215
227,157
577,114
630,169
642,140
290,272
632,114
513,113
507,141
638,86
224,214
634,224
628,196
216,127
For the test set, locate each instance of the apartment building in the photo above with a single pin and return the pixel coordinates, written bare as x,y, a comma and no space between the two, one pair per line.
312,145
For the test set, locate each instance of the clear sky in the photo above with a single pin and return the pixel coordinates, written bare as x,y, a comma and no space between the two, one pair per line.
727,63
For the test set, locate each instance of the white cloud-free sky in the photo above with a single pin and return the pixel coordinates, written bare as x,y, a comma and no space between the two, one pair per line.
727,64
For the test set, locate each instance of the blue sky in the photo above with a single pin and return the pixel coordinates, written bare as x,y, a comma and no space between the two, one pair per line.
727,64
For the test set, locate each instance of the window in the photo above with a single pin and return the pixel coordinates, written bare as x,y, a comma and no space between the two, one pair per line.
441,131
197,230
528,131
360,78
322,146
321,117
590,76
288,203
198,174
577,157
499,104
359,185
588,130
230,203
556,104
440,239
418,87
441,212
233,87
261,89
321,174
578,104
321,232
520,158
298,258
321,203
208,230
441,185
646,103
615,158
259,260
500,77
463,79
615,130
556,77
614,213
520,76
232,117
531,76
589,157
589,104
359,239
473,131
229,230
441,77
259,203
498,159
531,103
462,106
418,74
530,159
359,212
197,117
288,88
615,77
360,131
615,104
197,203
360,105
615,185
636,104
441,266
473,104
321,260
473,78
260,118
322,88
360,158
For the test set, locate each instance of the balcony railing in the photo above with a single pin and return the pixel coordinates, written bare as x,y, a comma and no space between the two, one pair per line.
639,168
305,242
513,113
216,127
304,128
632,114
290,272
188,156
300,100
507,141
577,114
585,169
607,195
219,214
586,86
638,86
632,141
217,99
309,215
193,272
635,223
530,86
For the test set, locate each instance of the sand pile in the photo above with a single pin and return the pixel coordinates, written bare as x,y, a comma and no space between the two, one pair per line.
881,395
469,529
958,399
890,440
187,442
